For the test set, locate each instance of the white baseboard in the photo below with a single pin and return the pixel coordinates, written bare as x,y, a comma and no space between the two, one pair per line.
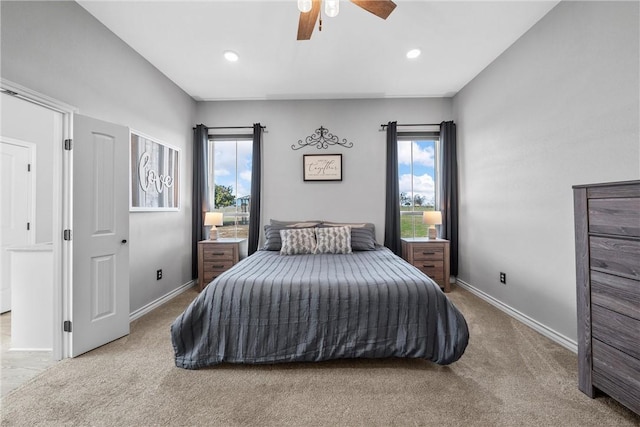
163,299
565,342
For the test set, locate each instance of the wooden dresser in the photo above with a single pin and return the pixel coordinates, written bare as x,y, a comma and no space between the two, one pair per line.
431,256
607,226
217,256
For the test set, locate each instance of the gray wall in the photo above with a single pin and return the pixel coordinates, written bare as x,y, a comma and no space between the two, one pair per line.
361,194
559,108
60,50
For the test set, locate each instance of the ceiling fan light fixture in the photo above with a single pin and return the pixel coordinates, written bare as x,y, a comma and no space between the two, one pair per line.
304,6
413,53
331,8
231,56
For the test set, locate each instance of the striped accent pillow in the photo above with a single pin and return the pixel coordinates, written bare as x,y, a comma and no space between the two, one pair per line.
333,240
363,235
298,241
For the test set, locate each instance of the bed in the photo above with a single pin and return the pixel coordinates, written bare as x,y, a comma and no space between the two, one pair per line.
273,307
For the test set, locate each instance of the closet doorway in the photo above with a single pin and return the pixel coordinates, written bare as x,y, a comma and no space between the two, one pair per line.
29,133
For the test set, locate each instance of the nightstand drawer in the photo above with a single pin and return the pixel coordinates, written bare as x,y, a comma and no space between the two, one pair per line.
218,253
217,266
436,275
428,253
428,265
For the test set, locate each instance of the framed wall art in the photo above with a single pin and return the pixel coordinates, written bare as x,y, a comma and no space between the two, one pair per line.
322,167
155,175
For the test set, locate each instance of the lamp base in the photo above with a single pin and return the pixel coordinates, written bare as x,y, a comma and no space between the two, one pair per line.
213,233
433,233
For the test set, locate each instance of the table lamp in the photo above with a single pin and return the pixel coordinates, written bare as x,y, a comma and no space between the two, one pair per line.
211,219
432,218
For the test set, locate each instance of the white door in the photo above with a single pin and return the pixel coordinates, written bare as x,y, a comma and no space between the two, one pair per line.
15,210
100,282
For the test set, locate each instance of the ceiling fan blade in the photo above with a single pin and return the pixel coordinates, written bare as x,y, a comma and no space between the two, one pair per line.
380,8
308,20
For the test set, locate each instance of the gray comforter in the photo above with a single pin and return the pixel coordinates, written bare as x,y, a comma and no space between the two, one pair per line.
273,308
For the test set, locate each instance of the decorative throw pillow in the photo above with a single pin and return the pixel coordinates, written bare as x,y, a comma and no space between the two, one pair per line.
297,241
363,235
333,240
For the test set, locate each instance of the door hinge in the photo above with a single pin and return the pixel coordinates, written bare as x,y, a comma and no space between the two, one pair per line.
28,226
67,144
28,167
66,326
66,234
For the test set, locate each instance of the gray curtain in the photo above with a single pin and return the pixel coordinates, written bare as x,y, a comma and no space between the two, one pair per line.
200,198
392,211
449,202
256,172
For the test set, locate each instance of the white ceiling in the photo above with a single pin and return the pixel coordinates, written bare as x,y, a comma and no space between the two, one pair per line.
357,55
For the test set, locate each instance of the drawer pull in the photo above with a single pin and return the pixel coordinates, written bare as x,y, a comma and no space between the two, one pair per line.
217,253
428,265
217,266
428,253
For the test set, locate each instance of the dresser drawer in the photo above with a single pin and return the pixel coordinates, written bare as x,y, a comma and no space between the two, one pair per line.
616,293
617,330
616,256
218,253
428,252
615,216
617,374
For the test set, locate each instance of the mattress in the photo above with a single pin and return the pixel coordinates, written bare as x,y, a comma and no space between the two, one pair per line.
272,308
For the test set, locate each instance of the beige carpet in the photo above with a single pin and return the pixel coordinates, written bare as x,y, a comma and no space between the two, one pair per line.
509,376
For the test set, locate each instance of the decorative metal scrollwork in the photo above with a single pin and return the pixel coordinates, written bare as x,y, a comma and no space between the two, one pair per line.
321,139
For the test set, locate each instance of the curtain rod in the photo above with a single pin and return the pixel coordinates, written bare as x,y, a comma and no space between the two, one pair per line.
414,124
233,127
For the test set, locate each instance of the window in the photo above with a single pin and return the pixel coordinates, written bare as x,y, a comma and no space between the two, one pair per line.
418,177
230,160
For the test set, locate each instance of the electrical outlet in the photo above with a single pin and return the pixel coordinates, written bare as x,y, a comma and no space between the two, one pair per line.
159,274
503,278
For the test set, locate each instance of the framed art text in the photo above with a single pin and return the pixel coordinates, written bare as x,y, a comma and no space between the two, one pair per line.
322,167
155,175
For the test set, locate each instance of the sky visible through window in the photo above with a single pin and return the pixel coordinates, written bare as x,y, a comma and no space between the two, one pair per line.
232,165
416,171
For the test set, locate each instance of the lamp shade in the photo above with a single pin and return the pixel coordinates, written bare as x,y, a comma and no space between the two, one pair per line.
213,218
432,217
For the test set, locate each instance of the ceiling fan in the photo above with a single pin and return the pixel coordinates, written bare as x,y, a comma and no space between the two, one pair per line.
310,10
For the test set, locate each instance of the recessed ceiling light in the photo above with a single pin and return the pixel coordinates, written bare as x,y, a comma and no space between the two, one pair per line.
413,53
231,56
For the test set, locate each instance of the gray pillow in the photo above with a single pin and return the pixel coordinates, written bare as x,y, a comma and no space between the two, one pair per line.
295,224
272,240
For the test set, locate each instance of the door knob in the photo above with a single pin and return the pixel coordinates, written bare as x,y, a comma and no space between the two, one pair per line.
124,241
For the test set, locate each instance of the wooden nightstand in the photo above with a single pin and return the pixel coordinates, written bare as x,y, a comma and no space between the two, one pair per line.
431,256
215,257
